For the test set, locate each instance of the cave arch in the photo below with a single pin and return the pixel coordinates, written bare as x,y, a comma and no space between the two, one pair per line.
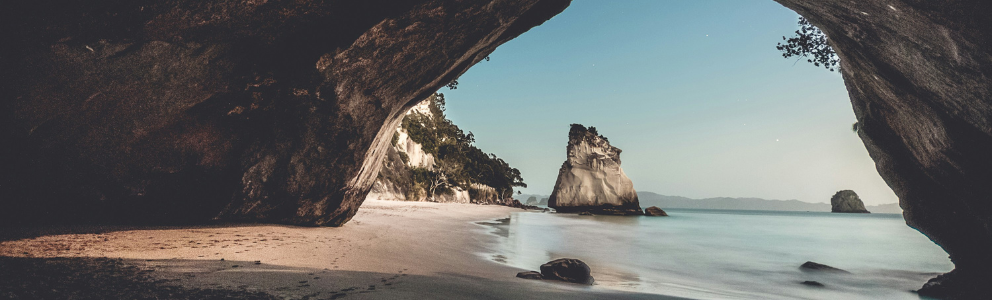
917,75
109,108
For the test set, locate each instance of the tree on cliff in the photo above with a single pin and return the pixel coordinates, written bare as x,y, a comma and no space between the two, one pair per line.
810,43
458,162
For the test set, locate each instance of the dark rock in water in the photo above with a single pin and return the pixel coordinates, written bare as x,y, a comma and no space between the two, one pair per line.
917,73
591,179
189,111
544,201
847,201
655,211
530,275
516,203
811,283
532,200
585,213
567,269
812,266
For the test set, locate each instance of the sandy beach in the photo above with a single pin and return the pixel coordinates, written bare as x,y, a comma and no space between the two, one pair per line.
390,250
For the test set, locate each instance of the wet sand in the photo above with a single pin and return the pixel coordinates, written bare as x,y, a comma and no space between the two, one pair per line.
390,250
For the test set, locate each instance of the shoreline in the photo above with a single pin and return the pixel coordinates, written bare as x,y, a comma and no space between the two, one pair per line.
391,249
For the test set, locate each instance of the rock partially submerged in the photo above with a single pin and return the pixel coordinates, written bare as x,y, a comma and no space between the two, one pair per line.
812,283
812,266
516,204
591,179
655,212
847,201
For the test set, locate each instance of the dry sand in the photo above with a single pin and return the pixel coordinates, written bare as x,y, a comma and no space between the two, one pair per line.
390,250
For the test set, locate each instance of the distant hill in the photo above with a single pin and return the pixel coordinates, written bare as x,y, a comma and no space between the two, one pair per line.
665,202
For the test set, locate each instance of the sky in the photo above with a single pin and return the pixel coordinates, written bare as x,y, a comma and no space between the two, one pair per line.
694,92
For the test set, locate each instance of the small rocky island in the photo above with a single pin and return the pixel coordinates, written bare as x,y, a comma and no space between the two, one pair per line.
591,180
847,201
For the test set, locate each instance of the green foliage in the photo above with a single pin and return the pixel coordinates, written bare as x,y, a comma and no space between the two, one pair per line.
855,127
396,139
453,85
577,131
458,162
810,43
404,157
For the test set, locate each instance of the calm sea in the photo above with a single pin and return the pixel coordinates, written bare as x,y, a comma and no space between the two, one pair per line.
711,254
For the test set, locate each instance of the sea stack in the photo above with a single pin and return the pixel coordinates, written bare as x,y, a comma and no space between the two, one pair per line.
591,180
847,201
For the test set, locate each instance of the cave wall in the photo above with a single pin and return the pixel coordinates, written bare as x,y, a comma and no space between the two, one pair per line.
918,74
280,111
250,110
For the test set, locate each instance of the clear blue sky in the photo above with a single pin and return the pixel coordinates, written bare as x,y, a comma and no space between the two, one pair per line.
694,92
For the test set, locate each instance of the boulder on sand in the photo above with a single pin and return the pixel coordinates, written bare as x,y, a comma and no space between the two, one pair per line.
567,269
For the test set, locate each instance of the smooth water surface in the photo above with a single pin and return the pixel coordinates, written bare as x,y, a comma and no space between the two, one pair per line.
709,254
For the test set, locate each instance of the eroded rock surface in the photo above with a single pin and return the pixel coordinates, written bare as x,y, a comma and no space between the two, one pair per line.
847,201
918,76
591,180
171,111
567,269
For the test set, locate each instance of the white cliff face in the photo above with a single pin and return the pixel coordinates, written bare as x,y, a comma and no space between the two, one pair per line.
457,196
385,190
591,178
414,151
417,158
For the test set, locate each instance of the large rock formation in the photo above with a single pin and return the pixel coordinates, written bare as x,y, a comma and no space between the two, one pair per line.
918,76
176,110
591,179
847,201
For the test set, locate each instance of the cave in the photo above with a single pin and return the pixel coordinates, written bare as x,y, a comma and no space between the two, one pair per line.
191,111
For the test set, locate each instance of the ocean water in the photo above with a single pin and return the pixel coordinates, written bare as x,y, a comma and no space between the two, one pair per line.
710,254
